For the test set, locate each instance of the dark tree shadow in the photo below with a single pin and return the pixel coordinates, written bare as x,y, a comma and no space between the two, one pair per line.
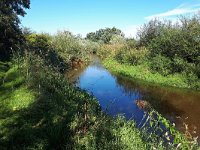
44,124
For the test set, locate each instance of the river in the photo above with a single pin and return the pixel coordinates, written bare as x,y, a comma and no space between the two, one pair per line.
117,95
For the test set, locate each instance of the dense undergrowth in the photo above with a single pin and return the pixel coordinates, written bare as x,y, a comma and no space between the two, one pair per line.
164,53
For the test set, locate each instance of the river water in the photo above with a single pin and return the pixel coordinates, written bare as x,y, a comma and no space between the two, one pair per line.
117,95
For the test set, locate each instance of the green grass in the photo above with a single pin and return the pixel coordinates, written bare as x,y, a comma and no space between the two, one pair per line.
15,96
3,68
142,73
54,116
14,93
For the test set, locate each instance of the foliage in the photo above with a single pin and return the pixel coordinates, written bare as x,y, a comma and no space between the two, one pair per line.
104,35
108,50
61,49
117,39
132,56
178,42
149,31
69,46
161,65
89,46
10,31
164,48
131,43
62,116
41,45
167,133
144,73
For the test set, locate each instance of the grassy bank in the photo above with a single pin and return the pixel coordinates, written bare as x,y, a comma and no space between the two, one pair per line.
41,110
143,73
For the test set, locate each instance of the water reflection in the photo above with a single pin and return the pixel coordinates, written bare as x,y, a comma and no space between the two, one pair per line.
117,95
178,105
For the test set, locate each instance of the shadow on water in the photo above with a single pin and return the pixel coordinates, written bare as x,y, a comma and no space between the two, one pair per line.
177,105
117,95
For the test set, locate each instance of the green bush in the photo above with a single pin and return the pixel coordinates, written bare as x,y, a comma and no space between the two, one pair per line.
105,35
39,43
89,46
193,81
174,47
132,56
179,65
161,64
109,50
131,43
67,45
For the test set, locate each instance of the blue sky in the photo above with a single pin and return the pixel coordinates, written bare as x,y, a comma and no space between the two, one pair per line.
83,16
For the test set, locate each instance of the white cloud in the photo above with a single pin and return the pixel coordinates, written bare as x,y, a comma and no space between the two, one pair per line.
180,10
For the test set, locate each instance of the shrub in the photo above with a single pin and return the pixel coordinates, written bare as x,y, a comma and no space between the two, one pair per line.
107,50
132,56
104,35
161,64
67,45
38,43
131,43
89,46
193,81
117,39
179,65
149,31
41,45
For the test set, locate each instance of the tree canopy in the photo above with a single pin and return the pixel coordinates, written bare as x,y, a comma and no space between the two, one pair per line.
104,35
10,31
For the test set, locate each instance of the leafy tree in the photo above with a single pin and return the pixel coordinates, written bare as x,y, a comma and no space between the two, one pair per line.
149,31
10,31
179,43
104,35
91,36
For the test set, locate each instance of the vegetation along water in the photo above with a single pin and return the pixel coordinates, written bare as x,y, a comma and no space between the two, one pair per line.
103,91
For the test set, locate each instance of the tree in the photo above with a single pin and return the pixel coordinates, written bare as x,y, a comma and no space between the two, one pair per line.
149,31
10,31
104,35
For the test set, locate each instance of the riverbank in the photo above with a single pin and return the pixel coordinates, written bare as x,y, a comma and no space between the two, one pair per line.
41,110
141,72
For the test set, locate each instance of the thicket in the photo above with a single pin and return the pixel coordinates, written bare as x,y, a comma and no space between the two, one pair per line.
105,36
10,31
164,47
